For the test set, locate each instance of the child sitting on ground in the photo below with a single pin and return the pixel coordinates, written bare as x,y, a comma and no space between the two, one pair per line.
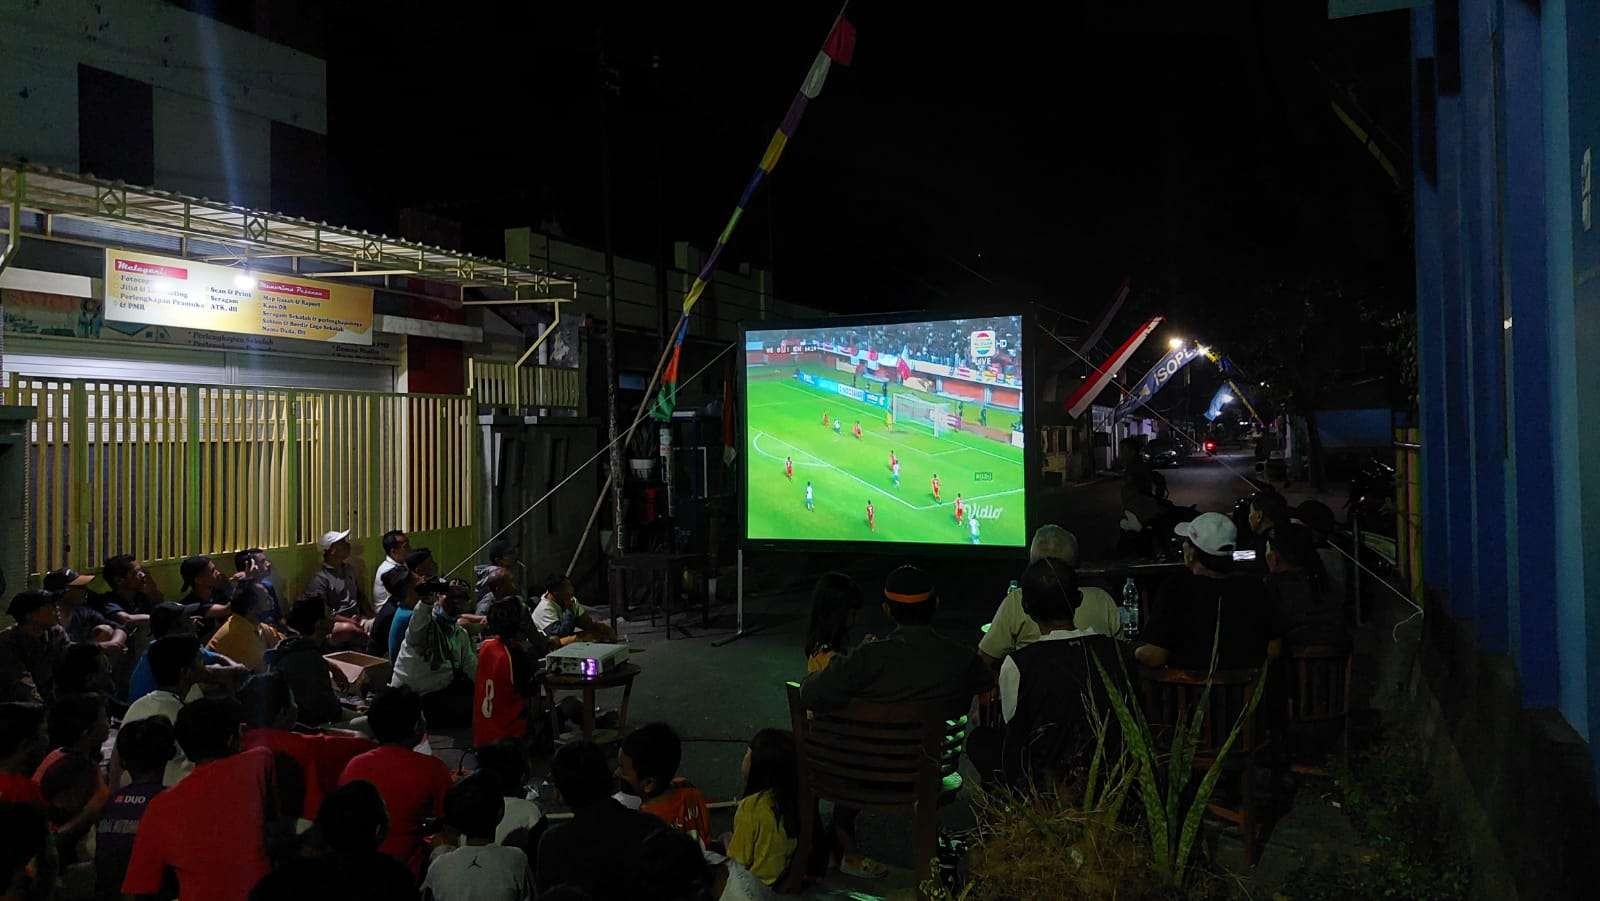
144,747
767,821
69,789
647,766
523,823
22,742
479,868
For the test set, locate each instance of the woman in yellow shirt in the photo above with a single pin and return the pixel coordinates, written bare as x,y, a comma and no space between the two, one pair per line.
835,604
767,821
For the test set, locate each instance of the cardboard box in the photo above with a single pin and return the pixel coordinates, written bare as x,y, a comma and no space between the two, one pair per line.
357,673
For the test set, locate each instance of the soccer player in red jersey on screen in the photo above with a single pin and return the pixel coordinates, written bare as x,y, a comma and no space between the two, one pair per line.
872,517
960,507
856,429
788,468
824,418
935,483
893,459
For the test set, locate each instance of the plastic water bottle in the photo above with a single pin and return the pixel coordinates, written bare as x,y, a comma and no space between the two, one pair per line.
1128,610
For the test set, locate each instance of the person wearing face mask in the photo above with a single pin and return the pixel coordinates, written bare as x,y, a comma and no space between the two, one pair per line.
436,659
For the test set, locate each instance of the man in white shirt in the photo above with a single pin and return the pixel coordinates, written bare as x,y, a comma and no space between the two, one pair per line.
175,665
1046,688
1012,628
559,616
479,868
396,545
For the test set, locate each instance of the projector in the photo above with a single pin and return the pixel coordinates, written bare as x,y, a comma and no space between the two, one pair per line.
585,658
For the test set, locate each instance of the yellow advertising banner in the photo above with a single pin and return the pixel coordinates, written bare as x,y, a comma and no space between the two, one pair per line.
156,290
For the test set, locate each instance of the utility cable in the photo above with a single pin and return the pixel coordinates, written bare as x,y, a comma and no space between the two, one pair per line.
621,436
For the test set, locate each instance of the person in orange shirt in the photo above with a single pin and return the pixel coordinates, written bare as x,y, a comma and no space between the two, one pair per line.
243,638
934,482
78,726
961,507
647,767
856,429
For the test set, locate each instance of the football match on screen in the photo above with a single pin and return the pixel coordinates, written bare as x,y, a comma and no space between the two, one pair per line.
898,432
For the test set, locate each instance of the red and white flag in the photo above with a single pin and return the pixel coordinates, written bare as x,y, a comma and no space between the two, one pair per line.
1097,380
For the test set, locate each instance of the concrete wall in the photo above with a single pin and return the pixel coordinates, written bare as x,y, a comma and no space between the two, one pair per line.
732,297
216,89
1507,112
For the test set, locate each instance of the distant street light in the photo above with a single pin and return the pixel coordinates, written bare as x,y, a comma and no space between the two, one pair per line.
1174,343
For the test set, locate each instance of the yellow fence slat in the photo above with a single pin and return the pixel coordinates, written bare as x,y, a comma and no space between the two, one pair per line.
506,385
117,473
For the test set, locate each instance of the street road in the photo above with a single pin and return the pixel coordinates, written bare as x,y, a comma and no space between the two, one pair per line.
1093,511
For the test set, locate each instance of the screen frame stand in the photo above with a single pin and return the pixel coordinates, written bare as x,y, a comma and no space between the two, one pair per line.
738,593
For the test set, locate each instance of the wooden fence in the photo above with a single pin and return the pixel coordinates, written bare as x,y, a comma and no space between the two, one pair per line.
507,385
162,470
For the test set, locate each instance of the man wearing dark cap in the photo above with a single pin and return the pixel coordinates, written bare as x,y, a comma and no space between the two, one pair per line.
31,648
914,663
84,624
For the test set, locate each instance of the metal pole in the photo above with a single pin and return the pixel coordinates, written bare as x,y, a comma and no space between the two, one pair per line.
583,540
738,589
615,453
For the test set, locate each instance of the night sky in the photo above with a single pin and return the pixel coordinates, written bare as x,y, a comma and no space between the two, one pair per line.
987,154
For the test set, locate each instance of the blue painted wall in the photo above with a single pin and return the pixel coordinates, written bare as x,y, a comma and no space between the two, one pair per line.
1510,413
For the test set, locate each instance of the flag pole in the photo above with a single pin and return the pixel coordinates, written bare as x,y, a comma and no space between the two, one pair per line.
707,271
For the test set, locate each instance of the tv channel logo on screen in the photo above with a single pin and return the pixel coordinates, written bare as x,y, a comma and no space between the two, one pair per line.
983,344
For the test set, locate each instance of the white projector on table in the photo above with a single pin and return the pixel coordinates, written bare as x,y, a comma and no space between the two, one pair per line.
586,658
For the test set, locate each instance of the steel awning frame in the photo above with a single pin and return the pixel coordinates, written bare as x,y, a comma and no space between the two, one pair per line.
249,234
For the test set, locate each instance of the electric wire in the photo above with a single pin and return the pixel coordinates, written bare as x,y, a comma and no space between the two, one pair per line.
621,436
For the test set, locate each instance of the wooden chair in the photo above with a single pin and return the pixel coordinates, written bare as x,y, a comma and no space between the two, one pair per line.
1170,696
1317,689
893,758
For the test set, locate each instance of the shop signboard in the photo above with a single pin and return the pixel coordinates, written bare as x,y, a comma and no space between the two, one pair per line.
164,291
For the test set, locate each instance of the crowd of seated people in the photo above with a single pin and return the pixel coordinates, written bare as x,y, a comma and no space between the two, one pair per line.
1051,636
238,769
232,728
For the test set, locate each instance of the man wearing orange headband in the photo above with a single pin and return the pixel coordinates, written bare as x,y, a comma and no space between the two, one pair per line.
914,663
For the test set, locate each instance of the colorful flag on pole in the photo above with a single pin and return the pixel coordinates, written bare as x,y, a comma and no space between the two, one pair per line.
667,400
839,47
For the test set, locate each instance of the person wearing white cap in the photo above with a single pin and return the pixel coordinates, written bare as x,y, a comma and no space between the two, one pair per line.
340,587
1208,604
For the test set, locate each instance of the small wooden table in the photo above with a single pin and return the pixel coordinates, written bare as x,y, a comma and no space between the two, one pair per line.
621,676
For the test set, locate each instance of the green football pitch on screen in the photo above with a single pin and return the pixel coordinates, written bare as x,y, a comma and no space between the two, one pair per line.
906,432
